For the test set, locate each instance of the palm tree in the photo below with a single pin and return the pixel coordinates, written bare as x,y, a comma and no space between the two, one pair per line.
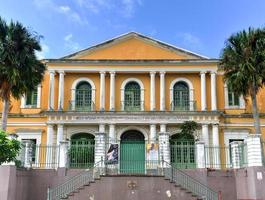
243,63
20,70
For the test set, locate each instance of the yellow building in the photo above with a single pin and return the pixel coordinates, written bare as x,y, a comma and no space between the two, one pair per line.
132,88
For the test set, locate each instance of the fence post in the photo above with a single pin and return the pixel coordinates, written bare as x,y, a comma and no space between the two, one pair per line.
200,154
235,154
254,150
63,155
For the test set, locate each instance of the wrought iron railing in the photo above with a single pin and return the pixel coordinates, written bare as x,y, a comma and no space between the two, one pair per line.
132,106
263,151
81,106
183,106
218,157
74,183
189,183
38,156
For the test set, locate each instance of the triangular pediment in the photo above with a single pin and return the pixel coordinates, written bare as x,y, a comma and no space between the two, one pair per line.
134,46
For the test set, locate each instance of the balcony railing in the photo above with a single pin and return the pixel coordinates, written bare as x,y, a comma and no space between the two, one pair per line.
81,106
183,106
132,107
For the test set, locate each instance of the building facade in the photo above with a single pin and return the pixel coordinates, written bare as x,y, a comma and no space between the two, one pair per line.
133,90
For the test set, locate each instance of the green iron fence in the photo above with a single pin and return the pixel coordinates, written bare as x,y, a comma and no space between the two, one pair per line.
263,151
243,155
81,106
218,157
183,105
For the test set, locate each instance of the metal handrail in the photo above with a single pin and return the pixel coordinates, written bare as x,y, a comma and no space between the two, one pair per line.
186,106
80,108
74,183
186,181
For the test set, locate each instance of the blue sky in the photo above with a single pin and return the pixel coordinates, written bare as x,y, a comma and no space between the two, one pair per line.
197,25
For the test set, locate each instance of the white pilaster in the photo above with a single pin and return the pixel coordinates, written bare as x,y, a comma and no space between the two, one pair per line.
162,91
61,91
213,91
112,91
152,91
39,96
203,91
102,91
59,133
254,150
200,154
152,133
100,145
205,134
101,128
112,133
51,91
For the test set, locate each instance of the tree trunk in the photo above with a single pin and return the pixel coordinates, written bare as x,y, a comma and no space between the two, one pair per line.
255,113
5,113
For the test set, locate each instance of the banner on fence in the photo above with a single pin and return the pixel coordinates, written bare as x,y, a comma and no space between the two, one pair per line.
113,154
152,151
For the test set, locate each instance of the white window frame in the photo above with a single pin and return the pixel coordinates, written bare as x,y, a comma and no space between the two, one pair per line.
31,135
125,82
241,100
191,89
23,99
74,85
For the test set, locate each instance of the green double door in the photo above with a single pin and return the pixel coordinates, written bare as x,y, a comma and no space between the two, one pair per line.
132,157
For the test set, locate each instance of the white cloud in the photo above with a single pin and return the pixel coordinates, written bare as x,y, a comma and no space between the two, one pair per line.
44,51
70,43
50,5
190,40
125,7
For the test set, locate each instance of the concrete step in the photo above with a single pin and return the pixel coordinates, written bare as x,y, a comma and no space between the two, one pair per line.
132,188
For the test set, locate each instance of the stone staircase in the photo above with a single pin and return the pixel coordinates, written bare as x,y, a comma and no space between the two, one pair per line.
131,188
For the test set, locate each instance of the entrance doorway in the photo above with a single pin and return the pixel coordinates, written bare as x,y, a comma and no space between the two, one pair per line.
82,150
182,150
132,153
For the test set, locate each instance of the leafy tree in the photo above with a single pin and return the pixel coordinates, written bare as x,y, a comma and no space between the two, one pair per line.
243,63
187,130
20,70
9,148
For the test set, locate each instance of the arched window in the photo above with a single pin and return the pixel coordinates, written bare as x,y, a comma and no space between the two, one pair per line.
181,97
132,97
83,97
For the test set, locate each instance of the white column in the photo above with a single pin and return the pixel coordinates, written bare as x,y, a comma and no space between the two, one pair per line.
61,91
200,154
162,91
49,135
112,133
63,153
205,134
49,151
51,91
102,91
59,133
152,91
100,145
164,146
203,91
254,151
152,133
112,91
213,91
216,152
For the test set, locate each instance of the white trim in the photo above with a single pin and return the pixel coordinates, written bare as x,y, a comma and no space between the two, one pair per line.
27,135
23,99
76,82
125,82
131,69
191,89
235,134
128,128
241,100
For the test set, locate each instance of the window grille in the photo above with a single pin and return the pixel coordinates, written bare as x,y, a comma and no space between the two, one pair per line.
132,99
83,96
181,96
